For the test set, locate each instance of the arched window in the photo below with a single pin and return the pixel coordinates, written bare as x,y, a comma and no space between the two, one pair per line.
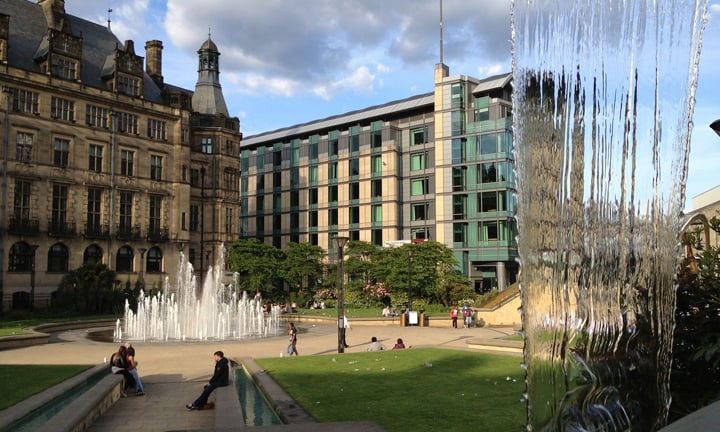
58,258
93,254
124,260
154,260
20,257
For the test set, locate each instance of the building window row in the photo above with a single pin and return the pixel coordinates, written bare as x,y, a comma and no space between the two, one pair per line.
26,101
64,68
128,85
157,129
62,109
22,258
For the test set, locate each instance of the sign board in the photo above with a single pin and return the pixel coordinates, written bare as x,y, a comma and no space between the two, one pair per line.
413,318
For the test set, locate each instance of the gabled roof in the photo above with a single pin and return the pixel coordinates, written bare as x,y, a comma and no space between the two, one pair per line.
28,27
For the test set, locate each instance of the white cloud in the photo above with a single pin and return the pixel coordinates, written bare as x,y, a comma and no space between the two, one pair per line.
259,84
361,81
381,68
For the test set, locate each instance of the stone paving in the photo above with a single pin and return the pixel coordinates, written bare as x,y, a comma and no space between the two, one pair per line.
174,373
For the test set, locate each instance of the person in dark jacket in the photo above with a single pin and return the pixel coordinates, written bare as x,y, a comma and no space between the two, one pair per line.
220,378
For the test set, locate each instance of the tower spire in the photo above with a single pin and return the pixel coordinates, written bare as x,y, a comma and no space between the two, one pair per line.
208,97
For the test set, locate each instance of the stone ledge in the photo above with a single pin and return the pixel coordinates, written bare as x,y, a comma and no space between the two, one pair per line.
502,345
228,412
80,414
76,412
284,405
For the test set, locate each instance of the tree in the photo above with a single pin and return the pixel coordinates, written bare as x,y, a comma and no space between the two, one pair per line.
302,264
90,289
359,263
257,263
425,274
695,380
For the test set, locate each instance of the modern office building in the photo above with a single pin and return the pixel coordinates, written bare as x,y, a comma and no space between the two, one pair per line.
436,166
104,161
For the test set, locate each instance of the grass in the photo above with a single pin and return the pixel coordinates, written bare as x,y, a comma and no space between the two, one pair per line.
14,327
18,382
408,390
13,331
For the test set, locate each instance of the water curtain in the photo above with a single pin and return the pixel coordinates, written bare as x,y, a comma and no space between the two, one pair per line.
603,102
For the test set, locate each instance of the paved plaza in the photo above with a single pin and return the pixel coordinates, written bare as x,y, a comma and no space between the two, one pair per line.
174,373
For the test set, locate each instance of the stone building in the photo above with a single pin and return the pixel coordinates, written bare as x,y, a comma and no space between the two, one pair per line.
104,161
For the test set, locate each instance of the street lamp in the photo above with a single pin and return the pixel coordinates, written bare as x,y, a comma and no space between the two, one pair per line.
410,253
341,242
142,266
3,187
33,249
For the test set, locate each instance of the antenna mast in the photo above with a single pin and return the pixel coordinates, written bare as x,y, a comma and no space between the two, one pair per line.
441,33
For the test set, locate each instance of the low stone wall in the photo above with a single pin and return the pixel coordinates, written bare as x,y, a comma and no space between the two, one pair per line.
19,341
74,325
289,411
228,412
79,414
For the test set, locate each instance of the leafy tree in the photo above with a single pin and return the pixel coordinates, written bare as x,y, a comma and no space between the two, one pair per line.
427,274
302,265
258,264
90,289
695,380
359,263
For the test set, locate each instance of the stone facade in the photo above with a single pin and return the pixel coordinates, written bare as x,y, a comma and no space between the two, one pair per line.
102,160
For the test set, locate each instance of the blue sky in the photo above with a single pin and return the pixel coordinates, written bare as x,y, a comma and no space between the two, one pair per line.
289,62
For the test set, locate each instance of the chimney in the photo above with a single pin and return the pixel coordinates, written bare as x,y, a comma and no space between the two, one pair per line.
54,13
153,60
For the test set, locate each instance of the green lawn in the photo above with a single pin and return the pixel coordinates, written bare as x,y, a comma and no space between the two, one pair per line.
18,382
408,390
11,327
13,331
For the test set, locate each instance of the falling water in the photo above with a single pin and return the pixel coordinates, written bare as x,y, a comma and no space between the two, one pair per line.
603,101
221,312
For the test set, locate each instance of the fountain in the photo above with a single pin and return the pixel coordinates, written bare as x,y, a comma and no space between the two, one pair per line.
220,313
603,102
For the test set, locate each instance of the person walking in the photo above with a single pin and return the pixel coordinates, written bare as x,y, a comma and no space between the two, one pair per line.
454,316
346,325
292,348
220,378
467,313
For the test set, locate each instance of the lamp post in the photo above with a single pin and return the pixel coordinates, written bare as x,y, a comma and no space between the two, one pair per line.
142,267
202,219
410,253
3,198
33,249
341,242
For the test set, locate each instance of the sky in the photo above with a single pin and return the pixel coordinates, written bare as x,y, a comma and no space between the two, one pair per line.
285,62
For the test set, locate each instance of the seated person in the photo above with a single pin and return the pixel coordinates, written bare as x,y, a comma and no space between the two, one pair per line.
220,378
386,312
375,345
399,344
